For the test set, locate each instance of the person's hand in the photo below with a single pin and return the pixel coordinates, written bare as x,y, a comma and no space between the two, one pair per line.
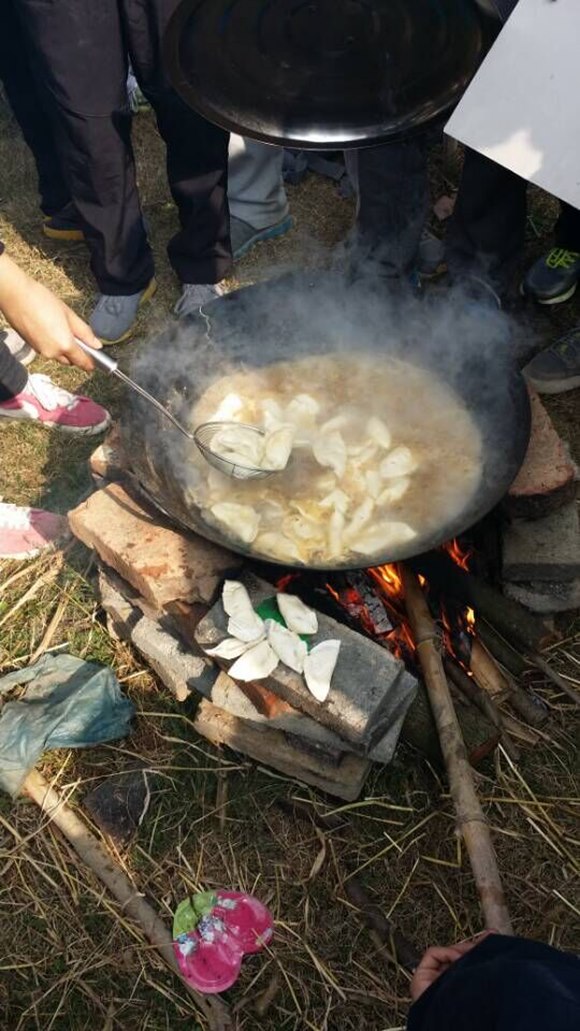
437,960
45,322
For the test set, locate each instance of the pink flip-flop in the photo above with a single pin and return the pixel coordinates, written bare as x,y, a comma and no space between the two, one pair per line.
211,934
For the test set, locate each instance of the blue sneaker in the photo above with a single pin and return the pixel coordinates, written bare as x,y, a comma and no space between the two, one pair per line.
244,236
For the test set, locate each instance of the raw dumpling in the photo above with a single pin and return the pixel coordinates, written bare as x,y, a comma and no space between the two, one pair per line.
378,432
241,520
271,414
400,462
288,646
245,624
297,615
329,449
229,648
278,447
255,664
394,492
381,536
319,666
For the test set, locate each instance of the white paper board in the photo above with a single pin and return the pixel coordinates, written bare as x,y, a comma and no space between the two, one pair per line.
522,109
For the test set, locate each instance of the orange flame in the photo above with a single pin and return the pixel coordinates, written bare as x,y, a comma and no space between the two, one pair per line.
461,556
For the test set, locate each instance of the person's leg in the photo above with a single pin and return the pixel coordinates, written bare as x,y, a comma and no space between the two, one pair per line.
486,234
393,201
17,77
257,198
197,152
80,57
13,375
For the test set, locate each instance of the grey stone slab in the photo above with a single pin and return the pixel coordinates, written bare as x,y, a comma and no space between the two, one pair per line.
546,597
366,682
180,669
545,549
344,779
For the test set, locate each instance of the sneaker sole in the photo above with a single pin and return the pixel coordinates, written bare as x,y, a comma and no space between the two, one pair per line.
548,301
67,235
554,386
263,235
147,295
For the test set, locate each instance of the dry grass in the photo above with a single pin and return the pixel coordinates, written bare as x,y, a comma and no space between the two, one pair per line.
68,957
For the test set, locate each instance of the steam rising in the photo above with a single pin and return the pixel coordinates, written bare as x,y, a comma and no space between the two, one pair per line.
462,342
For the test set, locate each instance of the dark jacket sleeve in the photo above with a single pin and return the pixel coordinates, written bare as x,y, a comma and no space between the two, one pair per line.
505,984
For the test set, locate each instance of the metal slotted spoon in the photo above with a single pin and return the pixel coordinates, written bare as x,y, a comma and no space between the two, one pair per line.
202,436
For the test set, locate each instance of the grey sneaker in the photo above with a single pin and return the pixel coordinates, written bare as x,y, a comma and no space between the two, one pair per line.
113,318
195,296
556,369
430,256
244,236
18,347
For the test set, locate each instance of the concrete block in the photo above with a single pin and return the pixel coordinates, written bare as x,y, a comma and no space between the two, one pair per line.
344,779
545,549
160,563
367,685
547,479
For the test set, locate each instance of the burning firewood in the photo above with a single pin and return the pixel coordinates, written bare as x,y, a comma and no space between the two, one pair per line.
470,817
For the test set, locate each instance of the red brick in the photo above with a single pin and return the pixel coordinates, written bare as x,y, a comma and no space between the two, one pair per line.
160,563
546,480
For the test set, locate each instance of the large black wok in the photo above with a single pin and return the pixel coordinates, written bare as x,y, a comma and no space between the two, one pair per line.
324,74
296,316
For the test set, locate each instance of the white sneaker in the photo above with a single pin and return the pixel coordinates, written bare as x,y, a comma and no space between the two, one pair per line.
18,347
195,296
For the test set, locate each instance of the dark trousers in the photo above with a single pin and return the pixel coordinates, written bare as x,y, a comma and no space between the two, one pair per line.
25,99
487,231
81,50
393,202
13,375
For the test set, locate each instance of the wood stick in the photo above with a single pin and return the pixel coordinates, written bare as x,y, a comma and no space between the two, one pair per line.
502,686
471,690
134,905
402,951
470,817
541,664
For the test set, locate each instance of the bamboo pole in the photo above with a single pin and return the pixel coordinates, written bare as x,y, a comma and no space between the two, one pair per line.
470,817
90,850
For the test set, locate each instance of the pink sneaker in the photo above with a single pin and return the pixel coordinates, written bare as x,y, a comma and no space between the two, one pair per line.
25,532
42,401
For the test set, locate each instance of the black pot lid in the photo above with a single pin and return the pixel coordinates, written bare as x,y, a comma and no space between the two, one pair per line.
323,74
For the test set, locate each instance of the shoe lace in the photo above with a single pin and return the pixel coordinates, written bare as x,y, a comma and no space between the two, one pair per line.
14,517
559,257
48,394
194,296
569,349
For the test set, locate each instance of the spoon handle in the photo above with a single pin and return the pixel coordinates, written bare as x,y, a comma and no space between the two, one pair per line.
110,365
